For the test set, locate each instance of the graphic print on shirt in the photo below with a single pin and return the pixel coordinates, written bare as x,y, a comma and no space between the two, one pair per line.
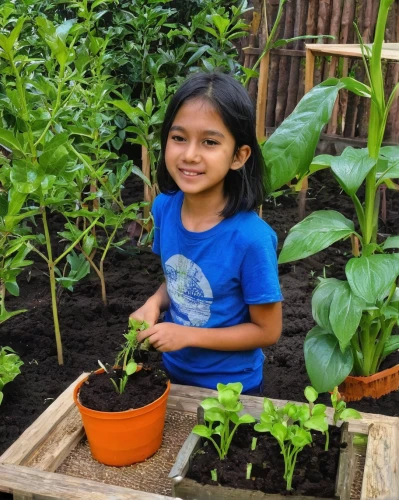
189,291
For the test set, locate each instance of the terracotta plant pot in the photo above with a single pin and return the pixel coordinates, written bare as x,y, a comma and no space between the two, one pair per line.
124,437
374,386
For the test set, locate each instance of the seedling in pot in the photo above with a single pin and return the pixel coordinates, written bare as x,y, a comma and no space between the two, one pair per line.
341,412
126,354
223,411
290,426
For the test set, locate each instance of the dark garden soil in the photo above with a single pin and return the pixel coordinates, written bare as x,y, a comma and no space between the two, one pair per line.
142,388
91,331
314,474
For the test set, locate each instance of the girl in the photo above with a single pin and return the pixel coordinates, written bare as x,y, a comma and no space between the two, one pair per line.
221,296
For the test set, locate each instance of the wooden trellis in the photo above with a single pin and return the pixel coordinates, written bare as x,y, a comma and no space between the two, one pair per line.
286,67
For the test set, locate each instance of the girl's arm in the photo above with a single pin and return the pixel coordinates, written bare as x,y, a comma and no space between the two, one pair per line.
263,330
153,307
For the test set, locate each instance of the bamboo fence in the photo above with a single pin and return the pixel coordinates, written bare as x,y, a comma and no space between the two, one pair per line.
287,65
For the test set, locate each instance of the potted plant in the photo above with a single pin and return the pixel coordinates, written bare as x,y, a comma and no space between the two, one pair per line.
123,408
355,316
226,450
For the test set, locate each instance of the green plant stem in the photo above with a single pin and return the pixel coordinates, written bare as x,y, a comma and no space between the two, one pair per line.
100,273
95,175
221,456
2,296
355,350
56,106
376,120
229,438
25,113
292,468
328,438
51,266
386,331
249,471
73,245
366,347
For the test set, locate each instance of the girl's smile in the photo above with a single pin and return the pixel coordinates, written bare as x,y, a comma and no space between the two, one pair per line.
200,150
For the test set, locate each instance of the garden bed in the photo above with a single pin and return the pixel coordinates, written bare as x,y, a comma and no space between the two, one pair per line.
55,442
91,331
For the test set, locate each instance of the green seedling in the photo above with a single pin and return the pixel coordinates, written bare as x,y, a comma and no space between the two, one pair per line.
291,425
214,475
249,471
341,412
126,354
253,444
221,416
10,363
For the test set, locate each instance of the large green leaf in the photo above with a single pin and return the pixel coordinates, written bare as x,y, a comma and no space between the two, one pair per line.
390,168
290,149
11,142
391,242
391,345
351,168
25,176
321,301
336,309
326,364
372,277
132,113
55,155
356,87
315,233
3,204
345,314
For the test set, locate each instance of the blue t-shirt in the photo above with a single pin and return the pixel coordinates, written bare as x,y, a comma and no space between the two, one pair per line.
212,277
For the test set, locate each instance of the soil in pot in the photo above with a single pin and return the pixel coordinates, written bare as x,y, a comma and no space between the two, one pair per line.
314,475
143,387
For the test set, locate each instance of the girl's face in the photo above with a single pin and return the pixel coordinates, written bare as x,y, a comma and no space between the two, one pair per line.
200,150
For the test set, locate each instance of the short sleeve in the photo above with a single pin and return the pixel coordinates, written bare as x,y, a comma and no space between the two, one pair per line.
259,271
156,214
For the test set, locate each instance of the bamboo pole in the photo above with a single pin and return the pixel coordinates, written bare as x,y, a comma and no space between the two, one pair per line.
261,102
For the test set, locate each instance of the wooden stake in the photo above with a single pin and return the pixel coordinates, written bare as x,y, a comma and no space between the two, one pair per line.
261,102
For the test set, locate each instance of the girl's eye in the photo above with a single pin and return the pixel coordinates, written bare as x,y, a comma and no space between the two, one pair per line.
210,142
177,138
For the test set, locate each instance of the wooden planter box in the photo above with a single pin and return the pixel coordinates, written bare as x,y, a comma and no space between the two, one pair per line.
380,477
189,489
27,467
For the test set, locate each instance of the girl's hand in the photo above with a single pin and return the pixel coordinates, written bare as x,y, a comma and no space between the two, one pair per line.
167,337
148,312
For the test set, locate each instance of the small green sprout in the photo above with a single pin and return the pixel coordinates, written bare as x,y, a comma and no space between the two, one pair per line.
253,444
222,411
214,475
249,471
341,412
125,355
290,426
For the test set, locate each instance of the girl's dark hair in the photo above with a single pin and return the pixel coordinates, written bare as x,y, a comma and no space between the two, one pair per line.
245,189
